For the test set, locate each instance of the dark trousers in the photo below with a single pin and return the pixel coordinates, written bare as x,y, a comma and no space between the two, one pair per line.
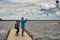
23,29
17,32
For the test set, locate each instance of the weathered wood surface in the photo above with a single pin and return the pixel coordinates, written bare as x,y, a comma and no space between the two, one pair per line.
13,37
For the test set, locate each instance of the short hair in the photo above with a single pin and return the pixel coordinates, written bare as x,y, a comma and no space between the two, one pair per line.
22,18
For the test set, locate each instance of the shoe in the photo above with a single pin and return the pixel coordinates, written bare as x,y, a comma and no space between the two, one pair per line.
22,35
16,34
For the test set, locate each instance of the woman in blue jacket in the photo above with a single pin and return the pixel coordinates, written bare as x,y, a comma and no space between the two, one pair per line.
17,27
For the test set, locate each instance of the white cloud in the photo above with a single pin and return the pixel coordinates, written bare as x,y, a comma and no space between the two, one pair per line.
47,5
44,15
58,13
2,11
50,15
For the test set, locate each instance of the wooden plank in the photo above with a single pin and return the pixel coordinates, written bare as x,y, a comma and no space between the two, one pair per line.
13,37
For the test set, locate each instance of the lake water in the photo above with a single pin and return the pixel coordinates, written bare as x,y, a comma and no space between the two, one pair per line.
43,30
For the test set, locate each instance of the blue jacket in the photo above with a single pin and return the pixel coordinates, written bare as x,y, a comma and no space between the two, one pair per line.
23,23
16,24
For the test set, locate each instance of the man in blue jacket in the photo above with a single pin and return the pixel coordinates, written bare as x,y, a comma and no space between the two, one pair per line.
23,25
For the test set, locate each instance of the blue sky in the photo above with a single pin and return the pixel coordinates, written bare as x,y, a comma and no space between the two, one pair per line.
2,0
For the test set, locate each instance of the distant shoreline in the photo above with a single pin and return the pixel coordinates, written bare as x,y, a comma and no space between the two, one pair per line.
31,20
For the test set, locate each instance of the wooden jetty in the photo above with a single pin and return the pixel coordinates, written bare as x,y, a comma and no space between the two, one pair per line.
12,36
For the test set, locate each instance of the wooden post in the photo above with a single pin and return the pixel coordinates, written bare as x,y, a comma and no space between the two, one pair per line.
28,33
31,36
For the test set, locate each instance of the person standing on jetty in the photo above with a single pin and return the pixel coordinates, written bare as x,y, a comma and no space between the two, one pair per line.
17,27
23,25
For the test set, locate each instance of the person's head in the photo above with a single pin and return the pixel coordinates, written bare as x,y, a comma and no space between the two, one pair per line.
22,18
17,21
